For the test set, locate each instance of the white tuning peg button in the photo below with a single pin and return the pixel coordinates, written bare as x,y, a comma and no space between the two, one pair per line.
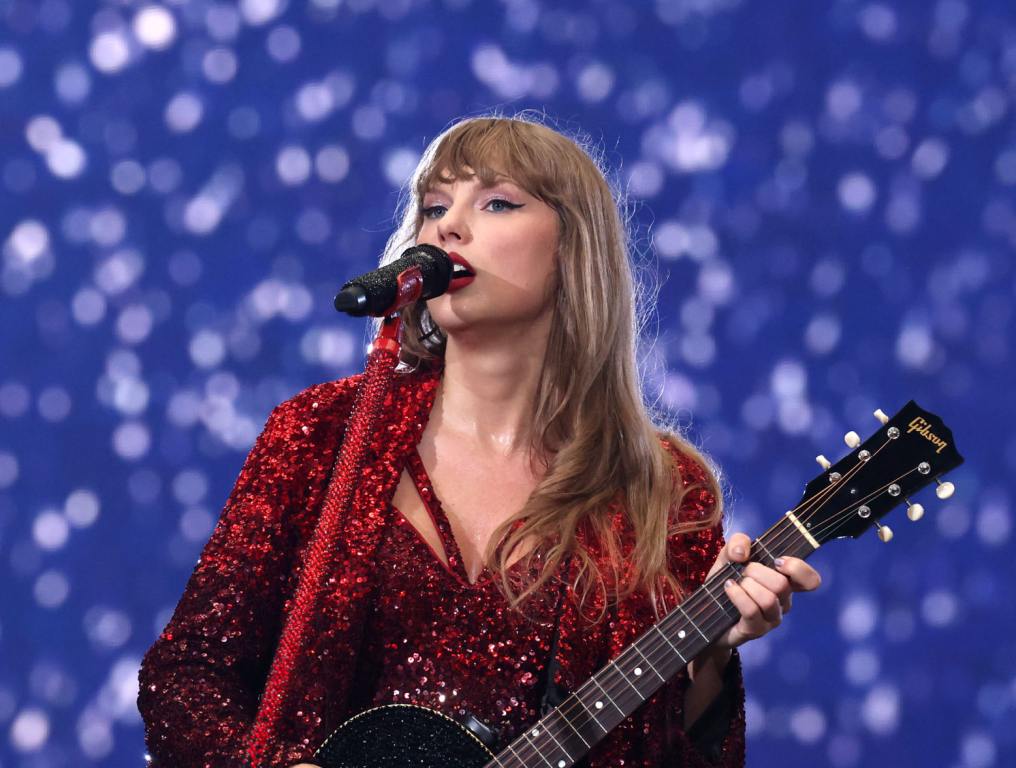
880,415
852,439
945,490
915,512
885,533
823,461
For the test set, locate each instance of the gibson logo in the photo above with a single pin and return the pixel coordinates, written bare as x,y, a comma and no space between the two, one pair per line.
923,428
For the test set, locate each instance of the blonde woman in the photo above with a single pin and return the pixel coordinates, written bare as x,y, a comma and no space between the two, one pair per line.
520,511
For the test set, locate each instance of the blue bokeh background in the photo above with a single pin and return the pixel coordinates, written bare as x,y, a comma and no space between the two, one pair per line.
824,190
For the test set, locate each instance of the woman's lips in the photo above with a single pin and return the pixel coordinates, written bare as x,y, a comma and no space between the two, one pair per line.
464,279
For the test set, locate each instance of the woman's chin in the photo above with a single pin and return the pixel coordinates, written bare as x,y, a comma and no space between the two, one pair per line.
452,311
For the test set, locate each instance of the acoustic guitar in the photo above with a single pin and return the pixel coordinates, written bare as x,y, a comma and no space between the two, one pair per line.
910,450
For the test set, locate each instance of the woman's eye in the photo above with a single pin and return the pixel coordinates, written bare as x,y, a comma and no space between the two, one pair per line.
507,206
496,205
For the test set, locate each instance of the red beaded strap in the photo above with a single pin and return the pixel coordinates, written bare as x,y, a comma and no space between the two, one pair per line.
377,380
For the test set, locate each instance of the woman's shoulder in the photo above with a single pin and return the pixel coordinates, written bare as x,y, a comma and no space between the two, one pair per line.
696,481
332,401
322,396
689,465
321,403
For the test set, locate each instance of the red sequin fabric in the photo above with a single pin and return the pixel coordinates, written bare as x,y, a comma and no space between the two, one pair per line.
394,623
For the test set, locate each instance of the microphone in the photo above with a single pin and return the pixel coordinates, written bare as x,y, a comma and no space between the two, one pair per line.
375,292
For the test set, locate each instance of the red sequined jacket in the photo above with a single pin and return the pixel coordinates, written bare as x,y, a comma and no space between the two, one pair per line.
200,681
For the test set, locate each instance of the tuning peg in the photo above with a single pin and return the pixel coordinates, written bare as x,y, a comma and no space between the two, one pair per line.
852,439
885,533
880,415
914,511
944,490
823,461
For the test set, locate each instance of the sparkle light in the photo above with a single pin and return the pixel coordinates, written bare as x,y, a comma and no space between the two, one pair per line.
331,163
30,730
858,618
880,710
399,165
50,530
10,67
856,192
293,165
154,27
81,508
72,83
259,12
595,82
8,469
109,52
51,589
184,112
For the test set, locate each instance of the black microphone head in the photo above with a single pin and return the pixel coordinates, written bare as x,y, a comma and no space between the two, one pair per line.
437,268
374,292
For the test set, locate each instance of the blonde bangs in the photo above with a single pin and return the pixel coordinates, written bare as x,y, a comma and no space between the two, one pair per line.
495,151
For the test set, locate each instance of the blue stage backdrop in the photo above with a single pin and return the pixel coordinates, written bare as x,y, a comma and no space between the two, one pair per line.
823,192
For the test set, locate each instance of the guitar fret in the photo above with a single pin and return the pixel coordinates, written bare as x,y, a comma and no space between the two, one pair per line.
560,711
597,684
630,683
550,733
592,715
693,623
667,641
543,757
648,663
522,762
759,542
723,608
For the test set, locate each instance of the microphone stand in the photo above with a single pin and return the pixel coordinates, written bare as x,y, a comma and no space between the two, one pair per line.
378,374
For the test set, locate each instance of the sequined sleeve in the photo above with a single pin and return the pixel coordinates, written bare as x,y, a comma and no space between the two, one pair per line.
691,557
200,681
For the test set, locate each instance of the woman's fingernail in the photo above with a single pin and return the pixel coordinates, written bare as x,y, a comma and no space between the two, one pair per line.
739,551
729,583
778,562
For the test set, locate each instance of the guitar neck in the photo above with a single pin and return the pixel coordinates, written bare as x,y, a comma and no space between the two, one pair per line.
563,736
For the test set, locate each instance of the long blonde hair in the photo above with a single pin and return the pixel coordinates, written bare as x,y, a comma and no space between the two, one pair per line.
589,416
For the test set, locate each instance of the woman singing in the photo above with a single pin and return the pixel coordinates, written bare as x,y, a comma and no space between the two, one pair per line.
519,510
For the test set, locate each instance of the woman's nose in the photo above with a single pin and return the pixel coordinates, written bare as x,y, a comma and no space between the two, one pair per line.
452,226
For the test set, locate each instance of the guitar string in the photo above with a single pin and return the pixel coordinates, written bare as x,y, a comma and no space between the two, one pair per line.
849,513
707,622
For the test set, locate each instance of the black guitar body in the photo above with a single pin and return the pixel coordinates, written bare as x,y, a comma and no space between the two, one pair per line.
402,736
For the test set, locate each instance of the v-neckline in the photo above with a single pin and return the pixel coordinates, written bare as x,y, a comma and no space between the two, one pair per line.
439,517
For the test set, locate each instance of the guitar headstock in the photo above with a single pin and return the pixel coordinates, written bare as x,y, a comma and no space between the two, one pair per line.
912,449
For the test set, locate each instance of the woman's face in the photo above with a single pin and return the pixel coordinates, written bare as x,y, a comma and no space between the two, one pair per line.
509,238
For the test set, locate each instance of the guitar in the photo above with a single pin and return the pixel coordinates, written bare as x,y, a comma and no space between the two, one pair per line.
908,452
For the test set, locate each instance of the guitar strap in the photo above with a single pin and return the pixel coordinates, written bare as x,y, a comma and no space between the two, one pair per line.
553,694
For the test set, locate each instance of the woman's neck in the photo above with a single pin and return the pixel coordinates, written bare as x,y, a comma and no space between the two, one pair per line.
487,393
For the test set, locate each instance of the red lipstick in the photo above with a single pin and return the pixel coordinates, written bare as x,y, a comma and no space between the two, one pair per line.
463,273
